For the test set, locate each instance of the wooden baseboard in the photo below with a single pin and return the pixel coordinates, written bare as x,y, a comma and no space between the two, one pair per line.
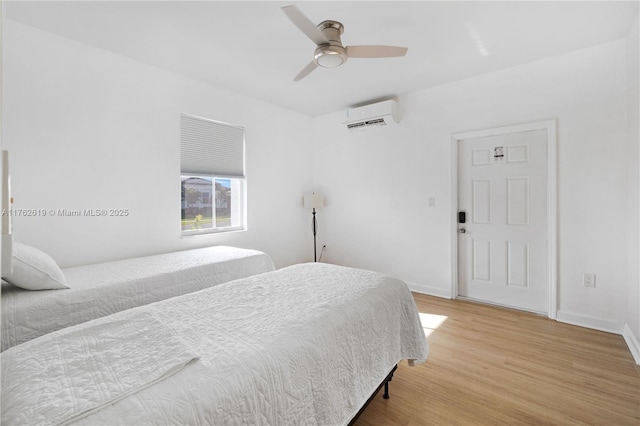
444,293
589,322
632,342
604,325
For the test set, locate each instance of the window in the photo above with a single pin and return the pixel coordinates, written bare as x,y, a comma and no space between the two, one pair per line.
211,176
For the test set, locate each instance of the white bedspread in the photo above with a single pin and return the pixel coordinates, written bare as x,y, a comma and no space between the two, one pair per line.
103,289
304,345
118,358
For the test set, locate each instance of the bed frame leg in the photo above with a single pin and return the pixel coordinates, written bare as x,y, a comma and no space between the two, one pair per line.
386,383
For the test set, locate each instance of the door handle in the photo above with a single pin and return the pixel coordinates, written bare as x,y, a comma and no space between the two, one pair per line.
462,231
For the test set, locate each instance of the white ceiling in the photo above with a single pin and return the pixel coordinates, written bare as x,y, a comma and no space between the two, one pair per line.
252,48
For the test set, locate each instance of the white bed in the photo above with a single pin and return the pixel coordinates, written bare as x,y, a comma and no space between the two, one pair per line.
307,344
106,288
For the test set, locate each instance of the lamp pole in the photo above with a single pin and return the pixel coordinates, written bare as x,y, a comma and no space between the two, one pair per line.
314,201
314,226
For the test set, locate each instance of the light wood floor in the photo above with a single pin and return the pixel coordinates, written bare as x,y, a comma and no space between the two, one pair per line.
495,366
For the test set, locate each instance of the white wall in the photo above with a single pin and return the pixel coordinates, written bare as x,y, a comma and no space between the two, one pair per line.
377,183
632,329
88,129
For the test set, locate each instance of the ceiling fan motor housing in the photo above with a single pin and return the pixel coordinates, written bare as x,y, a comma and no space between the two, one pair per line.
331,54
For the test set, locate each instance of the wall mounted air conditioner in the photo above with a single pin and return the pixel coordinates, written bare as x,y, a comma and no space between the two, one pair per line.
373,115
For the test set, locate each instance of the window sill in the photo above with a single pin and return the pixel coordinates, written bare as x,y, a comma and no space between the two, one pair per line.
212,231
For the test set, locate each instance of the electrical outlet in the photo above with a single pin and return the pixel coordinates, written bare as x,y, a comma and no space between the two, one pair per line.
589,280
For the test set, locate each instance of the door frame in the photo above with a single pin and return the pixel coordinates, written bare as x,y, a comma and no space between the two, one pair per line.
550,127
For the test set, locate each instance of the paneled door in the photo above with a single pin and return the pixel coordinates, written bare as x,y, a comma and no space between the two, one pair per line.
502,219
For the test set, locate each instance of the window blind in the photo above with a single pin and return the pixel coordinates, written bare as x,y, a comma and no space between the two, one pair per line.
211,148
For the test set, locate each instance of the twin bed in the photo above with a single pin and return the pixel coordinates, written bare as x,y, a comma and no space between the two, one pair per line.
106,288
306,344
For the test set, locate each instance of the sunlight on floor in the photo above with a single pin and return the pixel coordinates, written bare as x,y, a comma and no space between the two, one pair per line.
430,322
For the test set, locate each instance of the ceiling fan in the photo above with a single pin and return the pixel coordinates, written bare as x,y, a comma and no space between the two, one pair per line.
330,52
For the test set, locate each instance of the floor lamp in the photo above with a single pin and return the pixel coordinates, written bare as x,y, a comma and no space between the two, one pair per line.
314,201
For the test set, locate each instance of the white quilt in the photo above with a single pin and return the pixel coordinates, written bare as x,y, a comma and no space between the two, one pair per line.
106,288
118,358
304,345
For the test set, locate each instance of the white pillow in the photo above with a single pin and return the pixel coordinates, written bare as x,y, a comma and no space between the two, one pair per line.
33,269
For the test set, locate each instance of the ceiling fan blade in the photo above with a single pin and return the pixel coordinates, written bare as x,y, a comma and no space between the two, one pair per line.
304,24
305,71
374,51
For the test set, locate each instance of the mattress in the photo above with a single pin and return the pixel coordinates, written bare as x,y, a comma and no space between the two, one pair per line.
106,288
306,344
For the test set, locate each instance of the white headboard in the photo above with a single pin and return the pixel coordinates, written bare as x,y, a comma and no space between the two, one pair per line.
6,262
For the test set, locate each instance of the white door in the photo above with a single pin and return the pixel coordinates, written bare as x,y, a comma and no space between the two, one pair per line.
502,246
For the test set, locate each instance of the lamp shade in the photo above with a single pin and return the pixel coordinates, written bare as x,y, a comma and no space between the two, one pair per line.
313,201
